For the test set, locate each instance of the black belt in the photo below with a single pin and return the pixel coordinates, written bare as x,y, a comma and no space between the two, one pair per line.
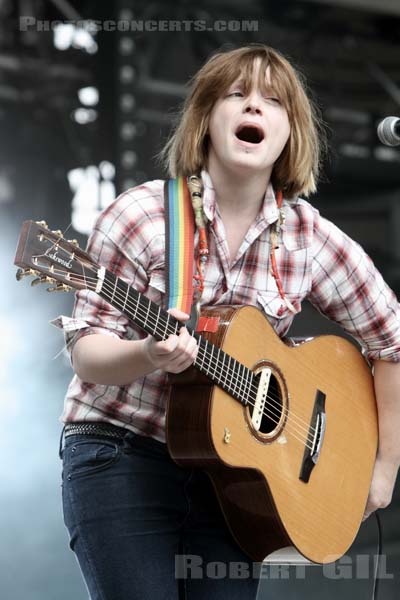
95,429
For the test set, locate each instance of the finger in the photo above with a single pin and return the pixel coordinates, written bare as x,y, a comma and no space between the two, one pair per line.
167,346
176,349
178,314
177,366
193,348
179,359
187,343
366,516
183,356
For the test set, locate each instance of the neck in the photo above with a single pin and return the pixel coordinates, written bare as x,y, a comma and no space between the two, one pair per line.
238,193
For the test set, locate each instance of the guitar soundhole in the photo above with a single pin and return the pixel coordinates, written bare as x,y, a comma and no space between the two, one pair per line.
265,412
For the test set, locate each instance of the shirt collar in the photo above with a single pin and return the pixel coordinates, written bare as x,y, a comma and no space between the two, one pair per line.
269,211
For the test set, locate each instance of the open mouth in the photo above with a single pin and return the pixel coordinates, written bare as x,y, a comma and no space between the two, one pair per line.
250,133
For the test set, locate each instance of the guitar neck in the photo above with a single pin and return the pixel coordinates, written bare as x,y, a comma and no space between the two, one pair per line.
220,368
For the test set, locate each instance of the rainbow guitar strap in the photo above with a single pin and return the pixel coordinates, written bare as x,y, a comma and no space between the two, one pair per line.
179,242
179,250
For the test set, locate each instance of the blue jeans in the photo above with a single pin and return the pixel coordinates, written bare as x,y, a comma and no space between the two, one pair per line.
143,528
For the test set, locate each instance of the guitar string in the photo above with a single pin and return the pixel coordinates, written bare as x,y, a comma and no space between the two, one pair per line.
269,413
272,412
307,429
236,379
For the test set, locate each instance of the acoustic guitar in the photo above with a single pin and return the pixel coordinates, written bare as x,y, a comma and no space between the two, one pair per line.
288,435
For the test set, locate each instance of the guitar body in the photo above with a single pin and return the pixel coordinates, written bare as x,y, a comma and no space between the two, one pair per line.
269,496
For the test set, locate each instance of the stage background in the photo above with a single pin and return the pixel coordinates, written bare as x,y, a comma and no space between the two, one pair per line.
65,153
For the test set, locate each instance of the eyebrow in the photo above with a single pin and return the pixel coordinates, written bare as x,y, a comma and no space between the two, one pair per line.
237,83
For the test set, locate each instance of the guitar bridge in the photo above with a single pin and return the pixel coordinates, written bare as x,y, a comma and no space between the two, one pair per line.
315,437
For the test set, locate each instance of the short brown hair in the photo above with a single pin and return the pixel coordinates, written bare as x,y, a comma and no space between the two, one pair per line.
296,170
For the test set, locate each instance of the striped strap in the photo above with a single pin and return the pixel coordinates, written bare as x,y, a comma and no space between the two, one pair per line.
179,232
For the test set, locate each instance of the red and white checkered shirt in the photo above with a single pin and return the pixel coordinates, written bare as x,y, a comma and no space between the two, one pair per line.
315,260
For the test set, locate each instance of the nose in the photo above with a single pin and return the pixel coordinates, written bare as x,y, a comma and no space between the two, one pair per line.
253,104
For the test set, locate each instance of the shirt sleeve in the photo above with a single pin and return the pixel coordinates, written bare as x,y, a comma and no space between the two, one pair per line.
121,241
347,288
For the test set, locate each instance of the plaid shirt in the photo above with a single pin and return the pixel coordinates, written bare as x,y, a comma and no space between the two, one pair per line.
315,260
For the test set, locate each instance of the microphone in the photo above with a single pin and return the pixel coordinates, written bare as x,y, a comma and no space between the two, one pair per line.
389,131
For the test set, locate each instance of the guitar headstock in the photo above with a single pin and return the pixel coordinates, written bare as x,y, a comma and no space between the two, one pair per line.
52,259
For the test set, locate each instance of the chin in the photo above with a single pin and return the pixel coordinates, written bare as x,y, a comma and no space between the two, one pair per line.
249,164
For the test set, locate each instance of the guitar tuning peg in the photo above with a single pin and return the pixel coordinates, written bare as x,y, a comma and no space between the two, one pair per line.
42,224
43,279
21,273
74,243
60,287
58,233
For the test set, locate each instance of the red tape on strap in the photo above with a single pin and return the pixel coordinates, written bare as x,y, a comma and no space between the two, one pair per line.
208,324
